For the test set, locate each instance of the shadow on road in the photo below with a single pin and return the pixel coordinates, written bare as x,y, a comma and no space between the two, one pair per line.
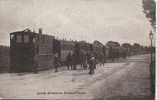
131,98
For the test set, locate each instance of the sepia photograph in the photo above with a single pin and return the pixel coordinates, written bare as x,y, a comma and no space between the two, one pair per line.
77,49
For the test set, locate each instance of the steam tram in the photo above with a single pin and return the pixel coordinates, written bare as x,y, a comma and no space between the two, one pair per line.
30,51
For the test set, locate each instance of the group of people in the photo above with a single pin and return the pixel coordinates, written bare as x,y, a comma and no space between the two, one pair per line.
86,61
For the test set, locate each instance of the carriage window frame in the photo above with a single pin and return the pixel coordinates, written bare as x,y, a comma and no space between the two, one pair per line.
26,40
19,38
35,38
43,40
12,36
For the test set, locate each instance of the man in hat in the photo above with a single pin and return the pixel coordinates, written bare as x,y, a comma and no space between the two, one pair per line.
92,65
56,62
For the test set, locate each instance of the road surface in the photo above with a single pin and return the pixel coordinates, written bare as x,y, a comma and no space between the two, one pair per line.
124,80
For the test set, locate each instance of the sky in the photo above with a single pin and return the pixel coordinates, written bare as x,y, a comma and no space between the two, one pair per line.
89,20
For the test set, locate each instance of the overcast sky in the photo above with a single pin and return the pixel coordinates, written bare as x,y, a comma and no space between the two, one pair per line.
103,20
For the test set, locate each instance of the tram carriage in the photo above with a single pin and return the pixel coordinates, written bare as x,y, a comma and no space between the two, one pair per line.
66,48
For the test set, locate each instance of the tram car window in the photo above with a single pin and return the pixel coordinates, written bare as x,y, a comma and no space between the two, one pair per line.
19,38
34,39
12,36
26,38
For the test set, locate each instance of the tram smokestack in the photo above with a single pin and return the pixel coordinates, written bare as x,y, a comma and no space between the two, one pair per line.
40,30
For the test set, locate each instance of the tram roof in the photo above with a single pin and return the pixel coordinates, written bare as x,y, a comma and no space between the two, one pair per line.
23,32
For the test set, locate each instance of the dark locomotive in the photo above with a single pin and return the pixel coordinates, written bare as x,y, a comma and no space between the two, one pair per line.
30,51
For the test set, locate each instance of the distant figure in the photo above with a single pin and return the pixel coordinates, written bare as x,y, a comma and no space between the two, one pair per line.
81,59
111,54
35,70
88,58
85,62
92,65
102,60
69,61
56,62
74,61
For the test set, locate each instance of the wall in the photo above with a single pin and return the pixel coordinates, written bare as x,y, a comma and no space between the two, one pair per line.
4,59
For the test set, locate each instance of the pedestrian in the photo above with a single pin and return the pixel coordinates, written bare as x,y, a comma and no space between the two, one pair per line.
92,65
69,61
74,61
85,65
56,62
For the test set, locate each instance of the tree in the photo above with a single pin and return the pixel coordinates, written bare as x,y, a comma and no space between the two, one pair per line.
149,7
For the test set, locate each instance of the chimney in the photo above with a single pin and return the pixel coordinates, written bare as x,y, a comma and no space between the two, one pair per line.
40,30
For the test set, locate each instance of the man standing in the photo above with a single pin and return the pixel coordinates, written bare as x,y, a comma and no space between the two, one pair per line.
84,60
69,61
56,62
74,61
92,65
